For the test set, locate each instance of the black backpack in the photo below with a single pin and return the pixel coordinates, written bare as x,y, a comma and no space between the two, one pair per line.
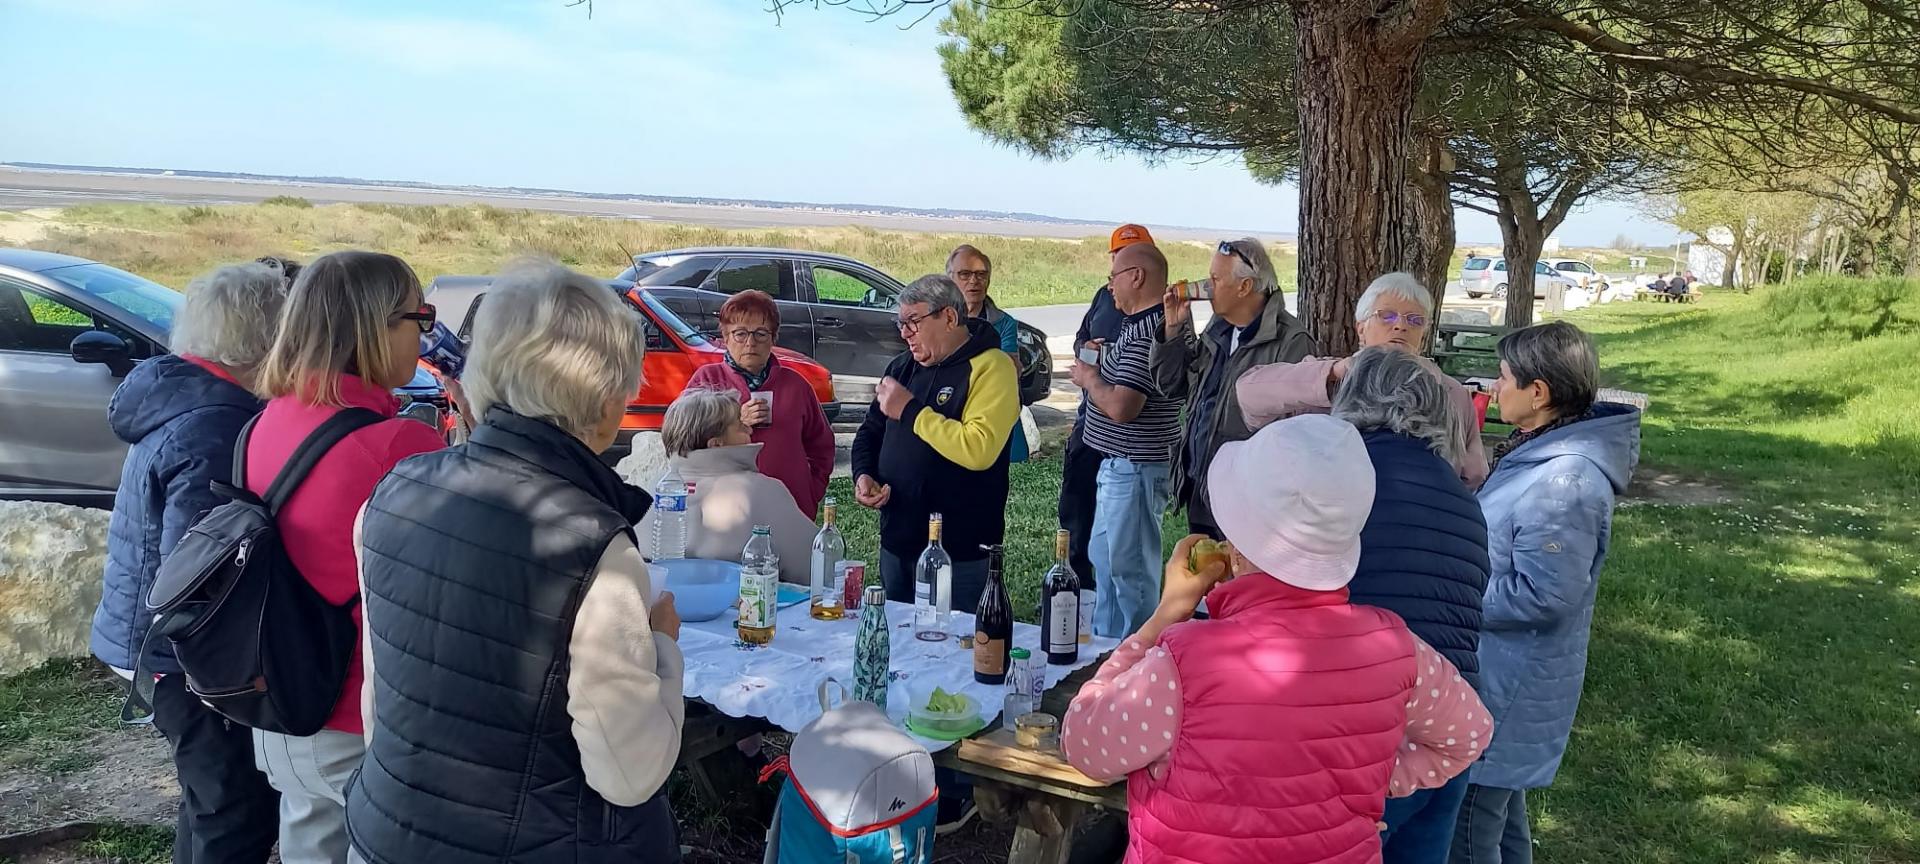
258,643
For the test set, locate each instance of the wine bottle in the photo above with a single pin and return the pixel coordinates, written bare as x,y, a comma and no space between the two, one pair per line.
993,624
932,587
828,549
1060,607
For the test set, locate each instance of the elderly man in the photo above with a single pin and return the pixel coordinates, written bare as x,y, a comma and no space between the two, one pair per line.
1136,426
1395,312
1080,466
970,268
1251,326
935,439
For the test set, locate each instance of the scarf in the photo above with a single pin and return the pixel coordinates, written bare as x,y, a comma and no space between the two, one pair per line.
1520,436
754,382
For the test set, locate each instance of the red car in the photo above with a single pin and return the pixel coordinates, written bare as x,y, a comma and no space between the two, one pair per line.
674,350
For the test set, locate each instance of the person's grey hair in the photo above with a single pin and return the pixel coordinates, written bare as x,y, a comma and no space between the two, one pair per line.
1262,272
697,416
230,315
968,249
938,292
1401,285
554,345
1561,355
1390,389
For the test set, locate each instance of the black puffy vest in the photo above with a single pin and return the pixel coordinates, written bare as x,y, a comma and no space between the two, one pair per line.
476,559
1423,552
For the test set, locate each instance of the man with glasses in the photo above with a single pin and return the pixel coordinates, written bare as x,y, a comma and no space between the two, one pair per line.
1395,312
970,268
1136,425
935,440
1251,326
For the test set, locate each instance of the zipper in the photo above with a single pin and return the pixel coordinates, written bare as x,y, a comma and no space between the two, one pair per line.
240,557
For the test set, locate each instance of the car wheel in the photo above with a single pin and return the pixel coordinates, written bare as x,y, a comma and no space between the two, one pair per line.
1500,291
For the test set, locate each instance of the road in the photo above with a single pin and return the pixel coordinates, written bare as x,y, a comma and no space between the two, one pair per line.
23,189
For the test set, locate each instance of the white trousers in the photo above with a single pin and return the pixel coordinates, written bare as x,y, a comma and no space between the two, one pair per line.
311,775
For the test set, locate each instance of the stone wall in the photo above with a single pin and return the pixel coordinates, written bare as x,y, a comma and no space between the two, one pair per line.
51,559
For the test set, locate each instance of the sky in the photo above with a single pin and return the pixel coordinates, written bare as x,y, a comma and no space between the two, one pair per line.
707,98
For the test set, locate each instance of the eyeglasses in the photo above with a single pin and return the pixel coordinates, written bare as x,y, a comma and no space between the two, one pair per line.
911,325
1390,318
971,275
1227,248
750,335
423,317
1122,272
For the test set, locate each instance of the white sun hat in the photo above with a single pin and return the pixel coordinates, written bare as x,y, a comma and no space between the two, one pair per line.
1293,498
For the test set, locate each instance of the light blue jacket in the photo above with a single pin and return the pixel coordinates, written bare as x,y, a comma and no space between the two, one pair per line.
1549,509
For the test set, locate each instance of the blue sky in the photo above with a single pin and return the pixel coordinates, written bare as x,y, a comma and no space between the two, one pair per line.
673,97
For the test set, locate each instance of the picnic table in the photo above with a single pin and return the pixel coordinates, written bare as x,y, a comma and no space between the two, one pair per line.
745,689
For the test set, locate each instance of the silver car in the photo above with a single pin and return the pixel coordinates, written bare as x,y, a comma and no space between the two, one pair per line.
70,330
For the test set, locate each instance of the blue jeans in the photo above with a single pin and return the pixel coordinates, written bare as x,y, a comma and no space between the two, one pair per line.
1493,828
1420,826
1125,546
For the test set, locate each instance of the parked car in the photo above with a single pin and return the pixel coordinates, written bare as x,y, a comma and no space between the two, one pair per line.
674,350
1581,273
834,309
1483,276
70,330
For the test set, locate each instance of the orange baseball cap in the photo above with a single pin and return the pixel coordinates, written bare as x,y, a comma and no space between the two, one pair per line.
1127,235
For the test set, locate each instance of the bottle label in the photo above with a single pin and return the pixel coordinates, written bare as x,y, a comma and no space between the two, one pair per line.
1086,617
1063,621
670,503
757,599
944,600
989,654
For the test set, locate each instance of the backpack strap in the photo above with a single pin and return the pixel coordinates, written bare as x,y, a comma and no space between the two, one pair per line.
304,457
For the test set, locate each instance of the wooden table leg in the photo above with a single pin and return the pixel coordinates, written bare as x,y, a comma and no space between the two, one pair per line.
1043,832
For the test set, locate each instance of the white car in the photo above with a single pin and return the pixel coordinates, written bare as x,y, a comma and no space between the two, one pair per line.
1483,276
1581,273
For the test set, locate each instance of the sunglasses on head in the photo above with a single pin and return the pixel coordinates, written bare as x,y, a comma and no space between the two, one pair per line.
1227,248
424,317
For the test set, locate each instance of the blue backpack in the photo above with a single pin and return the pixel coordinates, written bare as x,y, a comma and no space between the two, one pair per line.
858,791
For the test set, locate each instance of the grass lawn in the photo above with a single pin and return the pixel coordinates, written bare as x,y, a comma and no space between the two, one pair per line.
1753,693
171,244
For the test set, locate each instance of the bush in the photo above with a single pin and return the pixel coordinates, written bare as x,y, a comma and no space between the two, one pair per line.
197,214
289,201
1858,308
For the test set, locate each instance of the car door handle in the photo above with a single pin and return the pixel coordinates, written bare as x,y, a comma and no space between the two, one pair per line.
829,321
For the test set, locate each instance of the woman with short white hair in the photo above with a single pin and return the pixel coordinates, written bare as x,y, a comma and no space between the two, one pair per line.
1395,312
524,698
711,445
181,414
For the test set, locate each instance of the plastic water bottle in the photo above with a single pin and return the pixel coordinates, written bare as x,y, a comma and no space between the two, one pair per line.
670,516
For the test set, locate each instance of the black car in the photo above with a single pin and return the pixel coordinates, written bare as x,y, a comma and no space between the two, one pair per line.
832,308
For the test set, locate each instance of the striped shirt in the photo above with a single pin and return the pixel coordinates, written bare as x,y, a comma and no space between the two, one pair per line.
1153,434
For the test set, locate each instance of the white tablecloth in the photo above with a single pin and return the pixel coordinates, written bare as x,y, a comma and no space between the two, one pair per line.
780,681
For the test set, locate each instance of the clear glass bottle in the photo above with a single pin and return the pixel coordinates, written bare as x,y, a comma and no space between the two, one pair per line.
669,516
932,587
759,588
1019,696
872,653
828,549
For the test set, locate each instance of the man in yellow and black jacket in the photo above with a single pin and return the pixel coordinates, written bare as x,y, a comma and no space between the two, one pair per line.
935,440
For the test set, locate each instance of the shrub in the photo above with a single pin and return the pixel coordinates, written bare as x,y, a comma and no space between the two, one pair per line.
289,201
199,213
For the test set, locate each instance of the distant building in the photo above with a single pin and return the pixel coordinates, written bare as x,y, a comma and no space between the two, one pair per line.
1551,246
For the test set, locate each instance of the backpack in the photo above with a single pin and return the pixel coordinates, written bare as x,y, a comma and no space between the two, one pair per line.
858,791
259,645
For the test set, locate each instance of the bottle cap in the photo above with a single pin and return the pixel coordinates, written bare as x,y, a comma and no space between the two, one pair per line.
876,596
1021,654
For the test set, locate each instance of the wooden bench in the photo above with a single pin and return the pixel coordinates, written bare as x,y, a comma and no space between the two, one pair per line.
1664,297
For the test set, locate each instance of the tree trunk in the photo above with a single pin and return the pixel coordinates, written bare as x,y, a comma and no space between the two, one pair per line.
1355,88
1522,239
1427,244
1732,277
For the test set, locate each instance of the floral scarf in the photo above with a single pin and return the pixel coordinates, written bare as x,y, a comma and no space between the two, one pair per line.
754,382
1520,436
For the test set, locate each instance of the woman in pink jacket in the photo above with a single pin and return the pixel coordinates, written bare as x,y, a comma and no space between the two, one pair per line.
775,402
1395,312
1276,729
348,335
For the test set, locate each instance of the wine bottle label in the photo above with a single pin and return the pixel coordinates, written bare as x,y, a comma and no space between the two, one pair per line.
1086,617
989,654
1063,621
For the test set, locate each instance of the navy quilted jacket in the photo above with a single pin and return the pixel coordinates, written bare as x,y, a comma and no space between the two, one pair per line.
181,421
1423,552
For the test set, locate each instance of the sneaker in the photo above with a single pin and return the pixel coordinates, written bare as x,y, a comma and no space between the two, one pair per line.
953,818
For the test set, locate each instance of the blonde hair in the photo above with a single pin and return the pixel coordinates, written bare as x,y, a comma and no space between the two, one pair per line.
335,322
699,415
553,345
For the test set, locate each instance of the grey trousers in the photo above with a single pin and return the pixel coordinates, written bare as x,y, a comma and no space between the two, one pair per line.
1492,828
311,775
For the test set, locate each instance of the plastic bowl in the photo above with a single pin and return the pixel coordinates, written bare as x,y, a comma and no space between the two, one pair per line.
703,588
957,723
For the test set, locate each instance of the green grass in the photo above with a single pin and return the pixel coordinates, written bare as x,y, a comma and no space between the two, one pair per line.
131,844
47,711
171,245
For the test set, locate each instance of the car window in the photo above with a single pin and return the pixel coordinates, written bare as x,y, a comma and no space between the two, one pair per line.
1477,263
755,274
31,320
667,318
685,273
1541,268
1575,266
151,302
844,288
1500,266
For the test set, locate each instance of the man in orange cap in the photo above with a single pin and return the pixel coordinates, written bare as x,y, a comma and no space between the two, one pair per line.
1080,467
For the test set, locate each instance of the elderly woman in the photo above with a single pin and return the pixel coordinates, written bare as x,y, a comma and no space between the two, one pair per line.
1394,313
525,679
707,440
777,404
182,414
1549,508
1423,551
1275,730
